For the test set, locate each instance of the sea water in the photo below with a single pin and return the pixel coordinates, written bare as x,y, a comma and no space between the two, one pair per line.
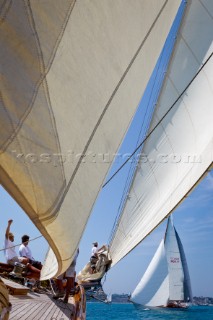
127,311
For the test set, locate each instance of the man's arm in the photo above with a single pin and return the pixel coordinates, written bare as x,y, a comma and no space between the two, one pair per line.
8,229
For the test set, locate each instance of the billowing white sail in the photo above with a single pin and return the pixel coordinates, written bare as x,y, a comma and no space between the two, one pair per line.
178,151
153,289
166,278
71,71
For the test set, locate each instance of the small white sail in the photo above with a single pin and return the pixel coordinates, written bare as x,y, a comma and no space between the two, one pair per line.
178,152
71,71
109,298
166,278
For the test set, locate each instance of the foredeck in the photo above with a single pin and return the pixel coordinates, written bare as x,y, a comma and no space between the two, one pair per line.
37,306
34,306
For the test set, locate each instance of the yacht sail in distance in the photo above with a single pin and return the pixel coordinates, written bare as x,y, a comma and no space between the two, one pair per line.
166,282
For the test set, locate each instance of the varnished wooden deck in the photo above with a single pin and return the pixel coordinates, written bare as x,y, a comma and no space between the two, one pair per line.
34,306
41,306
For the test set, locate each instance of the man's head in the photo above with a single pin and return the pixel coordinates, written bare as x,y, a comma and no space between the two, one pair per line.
25,239
95,244
11,236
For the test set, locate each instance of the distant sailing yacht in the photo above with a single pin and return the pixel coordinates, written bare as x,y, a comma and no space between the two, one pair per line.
166,282
109,298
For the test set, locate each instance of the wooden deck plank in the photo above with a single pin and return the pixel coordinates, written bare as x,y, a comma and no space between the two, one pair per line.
59,311
38,314
21,312
39,307
65,310
52,313
60,314
14,314
47,311
56,314
32,311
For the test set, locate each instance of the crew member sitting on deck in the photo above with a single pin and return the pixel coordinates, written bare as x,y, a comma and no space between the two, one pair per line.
24,251
10,252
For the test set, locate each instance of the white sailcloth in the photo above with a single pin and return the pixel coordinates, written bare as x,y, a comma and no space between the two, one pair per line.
153,289
71,71
174,263
164,279
179,151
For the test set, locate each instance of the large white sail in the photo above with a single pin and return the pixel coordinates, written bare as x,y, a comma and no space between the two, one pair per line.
178,151
71,71
166,278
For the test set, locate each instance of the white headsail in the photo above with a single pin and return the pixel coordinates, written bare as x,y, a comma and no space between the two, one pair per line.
178,151
166,278
71,71
153,289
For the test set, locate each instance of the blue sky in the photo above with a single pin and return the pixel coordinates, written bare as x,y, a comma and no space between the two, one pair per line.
193,220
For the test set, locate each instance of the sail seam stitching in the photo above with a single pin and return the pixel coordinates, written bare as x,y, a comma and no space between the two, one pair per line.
189,48
185,106
44,73
160,120
202,4
44,83
112,96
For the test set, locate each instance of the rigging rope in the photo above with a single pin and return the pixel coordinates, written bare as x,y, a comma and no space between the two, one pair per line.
17,245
